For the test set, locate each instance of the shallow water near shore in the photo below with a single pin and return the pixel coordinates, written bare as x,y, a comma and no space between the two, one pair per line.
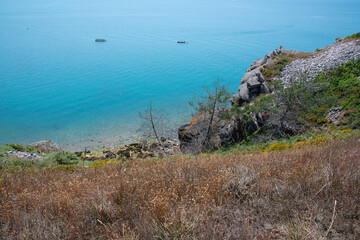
57,83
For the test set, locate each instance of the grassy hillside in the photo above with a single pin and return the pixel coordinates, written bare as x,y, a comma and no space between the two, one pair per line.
275,184
285,193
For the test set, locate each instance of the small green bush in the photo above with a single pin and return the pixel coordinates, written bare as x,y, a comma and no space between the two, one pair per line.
17,147
355,35
66,158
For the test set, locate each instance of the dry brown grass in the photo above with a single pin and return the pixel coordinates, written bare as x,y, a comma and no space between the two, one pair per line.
278,195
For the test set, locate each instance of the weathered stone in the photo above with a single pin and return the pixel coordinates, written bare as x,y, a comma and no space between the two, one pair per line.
227,131
78,154
46,146
339,39
136,147
26,155
334,115
257,64
252,84
124,153
244,93
268,59
109,155
92,158
334,55
154,145
255,81
249,75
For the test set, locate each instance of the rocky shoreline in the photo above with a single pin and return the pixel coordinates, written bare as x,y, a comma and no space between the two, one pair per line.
133,151
137,150
256,81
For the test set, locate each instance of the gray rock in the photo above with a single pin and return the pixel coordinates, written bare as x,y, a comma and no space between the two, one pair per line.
46,146
268,59
279,51
249,75
252,84
24,155
244,93
334,115
257,63
339,39
335,55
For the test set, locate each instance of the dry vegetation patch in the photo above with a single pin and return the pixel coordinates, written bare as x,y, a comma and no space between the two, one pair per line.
275,195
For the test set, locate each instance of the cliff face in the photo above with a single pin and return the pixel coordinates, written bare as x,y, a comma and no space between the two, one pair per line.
281,65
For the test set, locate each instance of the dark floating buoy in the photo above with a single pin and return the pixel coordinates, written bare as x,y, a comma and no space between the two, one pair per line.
182,42
100,40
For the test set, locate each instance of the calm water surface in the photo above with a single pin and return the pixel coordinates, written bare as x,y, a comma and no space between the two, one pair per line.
57,83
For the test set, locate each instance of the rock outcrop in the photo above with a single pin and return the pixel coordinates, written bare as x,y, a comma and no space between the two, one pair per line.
268,59
253,83
333,56
334,115
134,150
46,146
24,155
224,132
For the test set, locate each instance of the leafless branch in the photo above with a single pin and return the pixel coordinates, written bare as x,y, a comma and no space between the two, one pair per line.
149,116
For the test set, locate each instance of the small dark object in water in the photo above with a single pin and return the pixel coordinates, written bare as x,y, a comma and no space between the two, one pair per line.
182,42
100,40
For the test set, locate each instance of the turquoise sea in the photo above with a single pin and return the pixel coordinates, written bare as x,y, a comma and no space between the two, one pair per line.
57,83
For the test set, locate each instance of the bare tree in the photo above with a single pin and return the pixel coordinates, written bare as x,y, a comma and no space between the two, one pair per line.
153,119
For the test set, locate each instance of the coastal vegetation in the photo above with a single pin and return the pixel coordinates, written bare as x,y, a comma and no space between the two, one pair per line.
272,70
283,165
353,36
287,192
304,103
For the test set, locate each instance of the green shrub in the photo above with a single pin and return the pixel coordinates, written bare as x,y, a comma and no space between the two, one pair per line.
66,158
355,35
268,73
17,147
